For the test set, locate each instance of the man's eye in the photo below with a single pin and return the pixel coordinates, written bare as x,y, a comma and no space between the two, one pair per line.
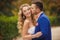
31,8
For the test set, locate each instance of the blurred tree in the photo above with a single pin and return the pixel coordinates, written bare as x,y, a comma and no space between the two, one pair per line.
6,7
10,7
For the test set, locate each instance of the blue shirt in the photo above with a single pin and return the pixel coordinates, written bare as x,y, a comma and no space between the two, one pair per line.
44,27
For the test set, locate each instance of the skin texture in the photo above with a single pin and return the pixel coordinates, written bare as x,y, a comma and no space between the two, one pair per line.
26,11
33,8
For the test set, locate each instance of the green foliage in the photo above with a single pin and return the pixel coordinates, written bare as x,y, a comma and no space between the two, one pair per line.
53,10
8,27
6,6
54,20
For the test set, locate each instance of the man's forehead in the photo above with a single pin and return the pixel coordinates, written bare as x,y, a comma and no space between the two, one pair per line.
33,5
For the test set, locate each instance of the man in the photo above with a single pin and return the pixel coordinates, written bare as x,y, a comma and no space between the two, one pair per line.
43,22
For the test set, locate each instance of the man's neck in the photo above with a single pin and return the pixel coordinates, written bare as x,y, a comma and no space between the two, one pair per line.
39,13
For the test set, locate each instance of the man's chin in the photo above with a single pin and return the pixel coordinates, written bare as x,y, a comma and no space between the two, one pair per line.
34,13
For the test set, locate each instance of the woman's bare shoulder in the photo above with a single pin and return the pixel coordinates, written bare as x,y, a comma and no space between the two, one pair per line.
26,24
26,21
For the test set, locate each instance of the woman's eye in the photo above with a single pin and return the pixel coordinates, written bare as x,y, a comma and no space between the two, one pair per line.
24,10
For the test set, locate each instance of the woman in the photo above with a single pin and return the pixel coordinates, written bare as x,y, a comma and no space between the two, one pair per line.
27,23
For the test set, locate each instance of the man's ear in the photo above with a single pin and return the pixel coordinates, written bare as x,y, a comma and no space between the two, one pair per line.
38,10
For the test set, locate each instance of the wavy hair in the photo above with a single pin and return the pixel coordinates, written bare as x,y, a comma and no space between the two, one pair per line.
21,18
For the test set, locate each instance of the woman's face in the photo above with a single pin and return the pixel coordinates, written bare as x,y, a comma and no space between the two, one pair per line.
26,11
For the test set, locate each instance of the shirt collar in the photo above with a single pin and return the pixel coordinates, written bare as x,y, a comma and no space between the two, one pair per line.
39,15
40,12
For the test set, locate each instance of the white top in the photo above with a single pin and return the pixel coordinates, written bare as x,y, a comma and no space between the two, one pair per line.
31,30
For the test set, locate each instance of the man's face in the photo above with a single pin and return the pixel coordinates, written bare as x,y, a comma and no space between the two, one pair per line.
33,8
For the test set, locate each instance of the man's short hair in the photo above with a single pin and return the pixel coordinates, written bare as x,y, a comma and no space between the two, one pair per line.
39,5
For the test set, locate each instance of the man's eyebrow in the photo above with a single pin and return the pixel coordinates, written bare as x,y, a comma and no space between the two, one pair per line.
30,6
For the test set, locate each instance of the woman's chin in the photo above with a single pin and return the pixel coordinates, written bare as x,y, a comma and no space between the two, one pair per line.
28,15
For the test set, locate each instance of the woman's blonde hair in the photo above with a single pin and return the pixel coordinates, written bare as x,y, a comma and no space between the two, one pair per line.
21,17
